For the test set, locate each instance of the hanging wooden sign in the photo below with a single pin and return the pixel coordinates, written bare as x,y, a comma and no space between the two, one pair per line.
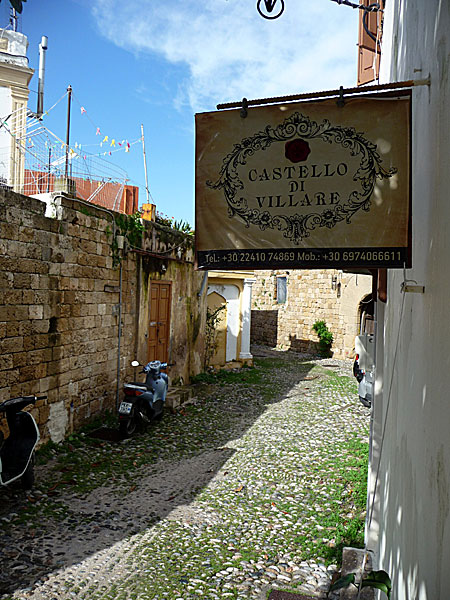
305,185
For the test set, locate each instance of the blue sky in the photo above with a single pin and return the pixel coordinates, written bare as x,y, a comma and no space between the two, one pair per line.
158,63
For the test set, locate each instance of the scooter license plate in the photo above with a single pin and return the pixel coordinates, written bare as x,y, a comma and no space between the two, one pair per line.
125,408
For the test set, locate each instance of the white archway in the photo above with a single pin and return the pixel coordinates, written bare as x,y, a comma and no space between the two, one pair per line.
231,295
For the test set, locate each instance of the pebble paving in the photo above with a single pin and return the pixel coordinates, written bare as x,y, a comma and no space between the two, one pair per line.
232,496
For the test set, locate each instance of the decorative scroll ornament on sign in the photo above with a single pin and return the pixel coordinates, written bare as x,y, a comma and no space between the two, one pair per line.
295,133
270,9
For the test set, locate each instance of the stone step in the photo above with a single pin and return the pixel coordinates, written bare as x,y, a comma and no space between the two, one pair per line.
178,396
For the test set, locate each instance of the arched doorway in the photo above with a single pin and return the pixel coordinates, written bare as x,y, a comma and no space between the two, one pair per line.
230,322
217,304
366,315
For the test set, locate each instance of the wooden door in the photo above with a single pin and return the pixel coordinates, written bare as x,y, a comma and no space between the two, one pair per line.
159,325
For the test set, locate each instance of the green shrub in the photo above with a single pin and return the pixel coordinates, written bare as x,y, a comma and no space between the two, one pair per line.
325,337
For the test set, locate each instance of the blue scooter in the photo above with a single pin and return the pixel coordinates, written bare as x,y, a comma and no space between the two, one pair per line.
143,402
17,450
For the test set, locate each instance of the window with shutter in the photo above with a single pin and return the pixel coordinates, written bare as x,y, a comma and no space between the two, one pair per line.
369,43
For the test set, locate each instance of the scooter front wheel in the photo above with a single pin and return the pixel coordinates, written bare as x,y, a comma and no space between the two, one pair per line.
27,479
159,407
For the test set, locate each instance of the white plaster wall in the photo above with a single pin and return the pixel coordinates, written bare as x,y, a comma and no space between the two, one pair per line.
58,421
17,44
412,515
5,138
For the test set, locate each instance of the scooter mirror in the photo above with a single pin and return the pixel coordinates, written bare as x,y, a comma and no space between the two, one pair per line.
135,363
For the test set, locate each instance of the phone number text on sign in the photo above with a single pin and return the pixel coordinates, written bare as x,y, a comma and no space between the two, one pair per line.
299,259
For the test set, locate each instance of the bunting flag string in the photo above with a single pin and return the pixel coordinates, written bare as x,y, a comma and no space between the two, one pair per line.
107,139
76,149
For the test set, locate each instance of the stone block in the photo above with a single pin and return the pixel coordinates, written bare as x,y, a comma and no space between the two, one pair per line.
13,297
26,234
12,344
32,372
44,340
58,353
22,280
20,359
40,326
178,396
352,562
44,412
7,231
46,384
88,246
4,379
64,310
29,342
36,311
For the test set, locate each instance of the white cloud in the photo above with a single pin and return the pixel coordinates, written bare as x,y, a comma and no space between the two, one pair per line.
230,51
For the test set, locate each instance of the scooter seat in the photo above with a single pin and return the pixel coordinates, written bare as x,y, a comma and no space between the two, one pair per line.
136,385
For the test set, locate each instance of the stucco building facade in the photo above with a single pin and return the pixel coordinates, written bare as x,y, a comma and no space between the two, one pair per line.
408,526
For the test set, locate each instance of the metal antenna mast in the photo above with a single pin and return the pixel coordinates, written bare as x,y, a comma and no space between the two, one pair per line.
145,164
13,19
69,99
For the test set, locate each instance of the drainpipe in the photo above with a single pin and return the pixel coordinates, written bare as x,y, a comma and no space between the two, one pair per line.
40,98
202,289
119,336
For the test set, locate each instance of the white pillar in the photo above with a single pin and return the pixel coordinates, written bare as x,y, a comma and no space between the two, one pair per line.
246,318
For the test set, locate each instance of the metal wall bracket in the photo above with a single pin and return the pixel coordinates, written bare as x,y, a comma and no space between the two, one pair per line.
244,109
414,289
340,101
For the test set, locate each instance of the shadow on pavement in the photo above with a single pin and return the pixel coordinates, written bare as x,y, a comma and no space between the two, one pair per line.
188,449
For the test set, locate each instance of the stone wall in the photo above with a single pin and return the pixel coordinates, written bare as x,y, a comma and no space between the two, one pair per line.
311,296
59,308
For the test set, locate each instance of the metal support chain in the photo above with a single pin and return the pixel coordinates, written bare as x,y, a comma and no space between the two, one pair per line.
266,10
371,8
375,7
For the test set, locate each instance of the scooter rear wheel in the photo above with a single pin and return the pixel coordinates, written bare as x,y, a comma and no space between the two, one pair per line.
128,426
27,479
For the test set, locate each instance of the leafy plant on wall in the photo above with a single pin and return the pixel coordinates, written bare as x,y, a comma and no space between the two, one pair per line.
131,228
170,222
213,317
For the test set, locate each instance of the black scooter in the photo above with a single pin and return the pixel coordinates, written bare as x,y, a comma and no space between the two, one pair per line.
17,450
143,402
